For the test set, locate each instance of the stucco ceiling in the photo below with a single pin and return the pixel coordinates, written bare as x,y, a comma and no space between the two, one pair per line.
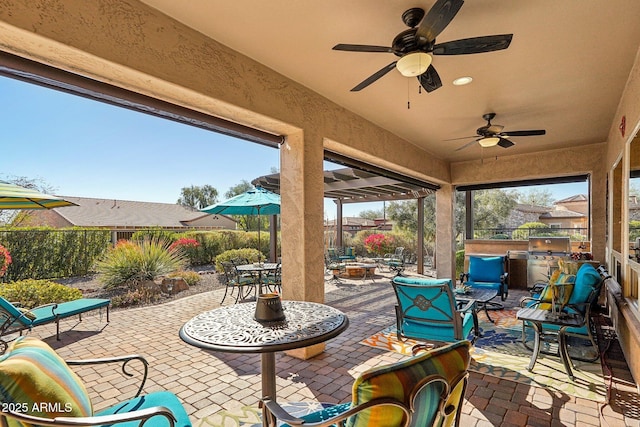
564,71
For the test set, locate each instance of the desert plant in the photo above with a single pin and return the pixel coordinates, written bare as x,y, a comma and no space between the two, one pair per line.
136,261
190,277
32,293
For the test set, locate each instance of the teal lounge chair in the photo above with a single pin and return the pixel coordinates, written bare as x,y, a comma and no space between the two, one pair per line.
14,319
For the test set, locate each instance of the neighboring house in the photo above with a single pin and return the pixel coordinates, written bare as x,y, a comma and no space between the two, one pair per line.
124,217
522,214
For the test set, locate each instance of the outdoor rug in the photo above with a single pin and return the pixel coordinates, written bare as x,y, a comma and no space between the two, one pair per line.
251,416
500,353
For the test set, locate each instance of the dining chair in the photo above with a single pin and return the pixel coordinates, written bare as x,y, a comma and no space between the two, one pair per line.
425,390
273,279
395,260
233,280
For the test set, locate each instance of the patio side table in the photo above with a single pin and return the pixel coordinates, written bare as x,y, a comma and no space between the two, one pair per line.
233,329
537,317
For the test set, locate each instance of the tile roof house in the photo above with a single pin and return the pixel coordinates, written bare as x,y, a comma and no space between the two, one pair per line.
124,215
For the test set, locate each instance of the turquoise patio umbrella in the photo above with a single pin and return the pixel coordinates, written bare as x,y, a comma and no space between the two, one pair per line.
13,196
257,201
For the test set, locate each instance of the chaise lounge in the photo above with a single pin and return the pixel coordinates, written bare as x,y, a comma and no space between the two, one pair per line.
15,319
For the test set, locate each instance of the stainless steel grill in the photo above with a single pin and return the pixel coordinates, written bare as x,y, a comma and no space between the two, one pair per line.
544,254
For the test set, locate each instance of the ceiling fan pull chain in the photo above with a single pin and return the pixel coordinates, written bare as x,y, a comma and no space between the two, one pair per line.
408,95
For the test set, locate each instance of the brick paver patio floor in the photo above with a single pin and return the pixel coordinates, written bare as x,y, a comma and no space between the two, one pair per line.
207,382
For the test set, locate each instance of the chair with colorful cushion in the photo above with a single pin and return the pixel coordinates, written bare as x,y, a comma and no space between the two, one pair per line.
39,388
573,295
487,273
427,310
424,390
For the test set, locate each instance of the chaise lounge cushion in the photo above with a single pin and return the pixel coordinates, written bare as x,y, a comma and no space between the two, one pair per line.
38,382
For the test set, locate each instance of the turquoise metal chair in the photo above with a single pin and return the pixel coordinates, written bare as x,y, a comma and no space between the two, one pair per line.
427,310
488,273
585,290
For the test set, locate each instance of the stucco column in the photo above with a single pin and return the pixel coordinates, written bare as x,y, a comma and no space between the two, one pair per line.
445,234
301,191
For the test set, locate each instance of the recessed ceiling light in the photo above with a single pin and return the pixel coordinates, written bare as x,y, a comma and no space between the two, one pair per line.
461,81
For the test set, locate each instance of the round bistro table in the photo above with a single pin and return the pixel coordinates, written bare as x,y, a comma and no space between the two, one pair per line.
233,329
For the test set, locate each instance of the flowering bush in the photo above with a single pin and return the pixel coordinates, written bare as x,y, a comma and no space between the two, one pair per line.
5,260
185,243
379,244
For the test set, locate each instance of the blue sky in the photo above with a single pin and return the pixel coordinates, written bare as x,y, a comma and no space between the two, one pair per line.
85,148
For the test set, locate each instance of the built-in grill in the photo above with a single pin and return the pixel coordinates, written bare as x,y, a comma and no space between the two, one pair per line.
543,256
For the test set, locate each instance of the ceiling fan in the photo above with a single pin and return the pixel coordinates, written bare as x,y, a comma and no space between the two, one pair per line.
416,45
492,135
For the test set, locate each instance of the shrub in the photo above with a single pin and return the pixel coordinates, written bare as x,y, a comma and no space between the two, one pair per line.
139,296
32,293
379,244
133,262
5,260
154,234
250,254
190,277
459,263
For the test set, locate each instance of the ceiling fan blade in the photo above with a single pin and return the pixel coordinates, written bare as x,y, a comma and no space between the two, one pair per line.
524,133
375,76
458,139
466,145
430,80
505,143
436,20
362,48
473,45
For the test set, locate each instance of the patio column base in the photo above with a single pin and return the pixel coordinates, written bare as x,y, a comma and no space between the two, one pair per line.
306,352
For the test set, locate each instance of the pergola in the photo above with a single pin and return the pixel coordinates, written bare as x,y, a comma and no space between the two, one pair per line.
355,185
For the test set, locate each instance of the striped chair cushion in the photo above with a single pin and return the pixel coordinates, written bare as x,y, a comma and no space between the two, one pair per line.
38,382
398,379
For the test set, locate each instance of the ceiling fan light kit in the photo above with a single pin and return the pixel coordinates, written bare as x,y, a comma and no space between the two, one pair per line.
489,142
491,135
413,64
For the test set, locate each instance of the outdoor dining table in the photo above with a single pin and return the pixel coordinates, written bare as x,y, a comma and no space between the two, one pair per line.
259,268
234,329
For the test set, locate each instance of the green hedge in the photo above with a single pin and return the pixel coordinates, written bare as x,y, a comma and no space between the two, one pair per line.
43,252
33,293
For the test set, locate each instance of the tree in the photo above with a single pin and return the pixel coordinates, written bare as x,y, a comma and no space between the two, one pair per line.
371,214
196,197
238,189
491,208
536,197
